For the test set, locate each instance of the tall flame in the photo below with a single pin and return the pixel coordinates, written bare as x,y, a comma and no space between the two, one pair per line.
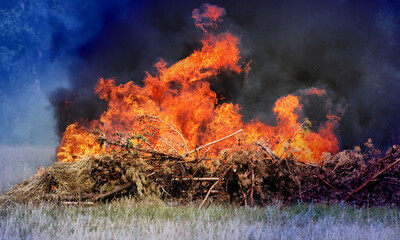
180,100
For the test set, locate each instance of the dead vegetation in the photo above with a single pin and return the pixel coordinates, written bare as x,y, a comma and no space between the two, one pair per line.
248,174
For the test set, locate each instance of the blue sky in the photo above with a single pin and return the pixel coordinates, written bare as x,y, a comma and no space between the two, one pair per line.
37,42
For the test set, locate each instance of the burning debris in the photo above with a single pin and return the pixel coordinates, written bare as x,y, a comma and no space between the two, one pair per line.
173,138
249,174
180,96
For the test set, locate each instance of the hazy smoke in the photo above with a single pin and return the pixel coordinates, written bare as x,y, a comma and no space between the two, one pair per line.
349,48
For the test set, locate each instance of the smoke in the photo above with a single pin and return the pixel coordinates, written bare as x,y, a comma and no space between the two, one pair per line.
348,48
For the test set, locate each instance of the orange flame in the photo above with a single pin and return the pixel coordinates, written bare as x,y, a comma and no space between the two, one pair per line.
208,16
179,99
77,142
314,91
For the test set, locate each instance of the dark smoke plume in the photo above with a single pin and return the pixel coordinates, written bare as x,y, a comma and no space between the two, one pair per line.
348,48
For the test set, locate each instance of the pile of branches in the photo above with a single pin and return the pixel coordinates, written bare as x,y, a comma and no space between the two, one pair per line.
248,174
363,178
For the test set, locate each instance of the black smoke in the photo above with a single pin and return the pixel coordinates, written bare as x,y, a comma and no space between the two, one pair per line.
349,48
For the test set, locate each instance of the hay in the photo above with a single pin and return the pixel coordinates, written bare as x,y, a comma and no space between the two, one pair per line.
59,179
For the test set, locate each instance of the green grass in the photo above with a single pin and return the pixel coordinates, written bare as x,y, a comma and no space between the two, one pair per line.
128,219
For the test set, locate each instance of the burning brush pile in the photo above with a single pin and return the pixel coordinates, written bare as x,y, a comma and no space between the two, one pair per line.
174,139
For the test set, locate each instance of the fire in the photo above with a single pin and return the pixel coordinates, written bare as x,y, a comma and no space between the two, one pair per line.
309,146
176,110
77,142
314,91
208,16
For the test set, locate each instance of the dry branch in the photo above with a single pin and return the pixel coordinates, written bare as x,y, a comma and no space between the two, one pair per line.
77,203
252,173
213,186
373,177
270,153
216,141
195,179
172,127
110,193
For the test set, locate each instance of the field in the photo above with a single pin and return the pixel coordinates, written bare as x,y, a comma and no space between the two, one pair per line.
129,219
20,163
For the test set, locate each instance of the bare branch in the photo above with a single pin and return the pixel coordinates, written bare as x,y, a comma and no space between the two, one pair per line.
216,141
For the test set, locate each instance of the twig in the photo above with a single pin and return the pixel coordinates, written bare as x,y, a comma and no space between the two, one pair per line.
74,197
77,203
270,153
373,177
330,185
252,187
172,127
169,145
145,150
244,195
151,174
213,186
186,161
110,193
335,188
165,192
291,139
182,179
145,141
216,141
300,190
204,155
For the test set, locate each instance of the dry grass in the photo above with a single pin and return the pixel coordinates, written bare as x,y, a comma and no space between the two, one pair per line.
127,219
71,178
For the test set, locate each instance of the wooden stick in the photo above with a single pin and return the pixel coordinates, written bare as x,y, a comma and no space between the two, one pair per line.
77,203
110,193
216,141
330,185
171,126
181,179
244,195
157,153
151,174
204,155
373,177
81,197
270,153
185,161
252,187
213,186
96,197
170,146
247,192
